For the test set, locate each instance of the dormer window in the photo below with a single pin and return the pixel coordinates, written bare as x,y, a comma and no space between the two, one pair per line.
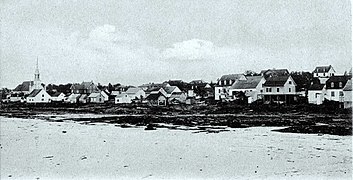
332,84
340,84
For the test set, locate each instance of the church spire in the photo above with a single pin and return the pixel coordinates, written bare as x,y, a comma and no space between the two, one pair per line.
36,77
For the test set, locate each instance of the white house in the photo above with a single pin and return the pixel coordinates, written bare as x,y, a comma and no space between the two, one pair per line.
58,97
324,71
136,93
73,98
157,99
38,96
252,86
279,89
105,94
122,98
171,90
347,91
96,97
177,98
316,94
224,83
334,88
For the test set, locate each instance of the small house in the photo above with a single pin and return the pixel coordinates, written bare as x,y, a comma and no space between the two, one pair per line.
316,94
96,97
334,88
157,99
57,97
123,98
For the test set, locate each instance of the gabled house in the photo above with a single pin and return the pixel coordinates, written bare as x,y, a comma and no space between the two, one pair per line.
171,90
96,97
156,90
57,97
252,86
157,99
323,73
84,88
83,98
136,93
224,83
177,98
123,98
334,88
73,98
105,94
316,94
347,92
279,89
38,96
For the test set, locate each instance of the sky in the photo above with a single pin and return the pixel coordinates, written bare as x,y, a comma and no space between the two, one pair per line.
141,41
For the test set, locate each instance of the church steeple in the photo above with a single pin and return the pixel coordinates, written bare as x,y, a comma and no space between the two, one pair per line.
36,77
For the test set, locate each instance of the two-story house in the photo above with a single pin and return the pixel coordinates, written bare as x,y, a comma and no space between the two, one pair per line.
323,73
252,86
279,89
334,88
223,85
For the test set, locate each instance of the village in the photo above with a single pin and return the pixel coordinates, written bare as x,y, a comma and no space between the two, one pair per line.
278,86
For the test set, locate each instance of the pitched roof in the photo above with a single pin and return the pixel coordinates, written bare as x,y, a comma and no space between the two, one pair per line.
348,86
154,96
169,89
198,82
121,95
133,90
34,93
276,81
94,95
316,87
25,86
322,69
56,94
250,83
336,82
232,77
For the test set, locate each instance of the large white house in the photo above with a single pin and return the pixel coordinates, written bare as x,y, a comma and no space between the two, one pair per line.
224,83
38,96
252,86
323,73
123,98
136,93
279,89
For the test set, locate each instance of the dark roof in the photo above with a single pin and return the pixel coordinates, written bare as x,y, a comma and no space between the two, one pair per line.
169,89
336,82
316,87
34,93
250,83
154,96
198,82
55,94
231,77
322,69
348,86
276,81
279,72
25,86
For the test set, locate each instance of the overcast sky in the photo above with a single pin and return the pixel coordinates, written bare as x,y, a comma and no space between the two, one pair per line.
134,42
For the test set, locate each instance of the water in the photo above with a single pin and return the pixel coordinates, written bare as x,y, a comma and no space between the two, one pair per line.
32,148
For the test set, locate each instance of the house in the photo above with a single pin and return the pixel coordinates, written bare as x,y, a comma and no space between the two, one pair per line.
96,97
105,94
83,98
252,86
323,73
347,92
17,97
57,97
136,93
123,98
148,86
73,98
274,72
156,90
157,99
334,88
223,85
279,89
177,98
171,90
316,94
38,96
84,88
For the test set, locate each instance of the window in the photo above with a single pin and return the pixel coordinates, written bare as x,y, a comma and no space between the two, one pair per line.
333,74
277,89
290,82
117,100
333,94
340,84
261,90
289,90
317,95
341,93
42,95
42,99
332,84
219,90
324,74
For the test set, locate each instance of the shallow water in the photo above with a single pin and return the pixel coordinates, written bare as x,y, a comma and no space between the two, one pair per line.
32,148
